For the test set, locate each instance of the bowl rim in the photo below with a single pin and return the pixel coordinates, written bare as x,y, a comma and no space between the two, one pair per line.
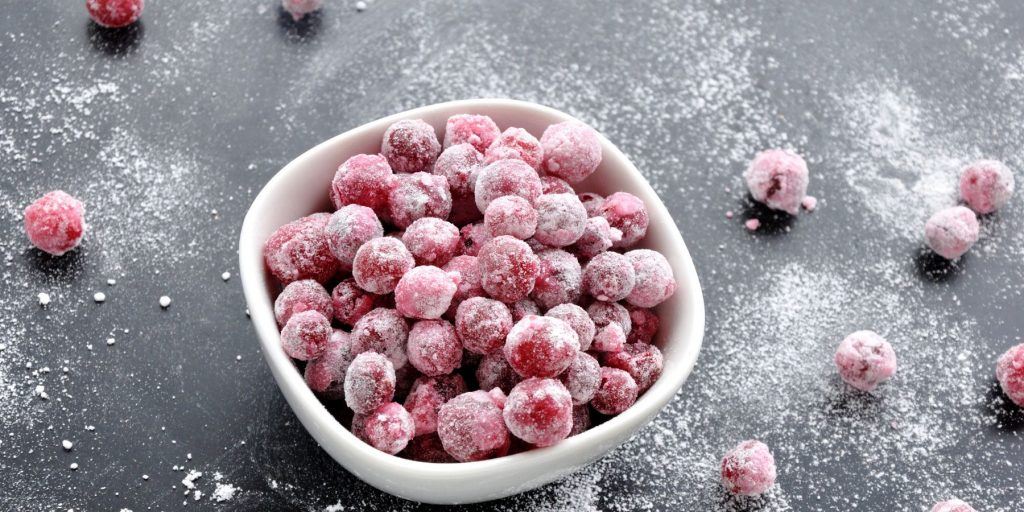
254,282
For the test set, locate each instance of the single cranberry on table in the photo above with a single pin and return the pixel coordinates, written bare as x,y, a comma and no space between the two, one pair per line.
115,13
778,178
952,232
748,469
986,186
953,505
865,360
1010,374
55,223
300,8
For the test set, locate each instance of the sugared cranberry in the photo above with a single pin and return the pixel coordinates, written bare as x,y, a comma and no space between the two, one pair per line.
325,375
572,150
553,185
506,178
610,338
369,382
645,325
519,144
654,280
482,324
616,393
425,292
1010,374
539,411
301,296
628,214
410,145
952,232
433,347
609,277
953,505
55,223
748,469
578,319
560,279
115,13
508,268
389,428
598,236
380,263
594,203
603,313
865,360
986,186
305,336
641,361
474,236
299,250
471,427
350,302
383,331
561,219
478,131
582,378
540,346
428,395
778,178
418,195
348,229
363,180
495,372
512,216
523,308
300,8
432,241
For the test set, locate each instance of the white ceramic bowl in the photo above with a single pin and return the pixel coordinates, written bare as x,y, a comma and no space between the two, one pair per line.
302,187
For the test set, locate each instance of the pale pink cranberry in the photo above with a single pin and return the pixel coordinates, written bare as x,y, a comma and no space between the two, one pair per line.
594,203
325,375
369,382
472,428
418,195
350,302
506,178
654,280
460,164
561,219
427,448
580,419
512,216
865,360
560,279
298,250
474,236
363,180
1010,374
641,361
469,279
609,277
432,241
425,292
578,319
951,232
778,178
582,378
55,223
953,505
478,131
495,372
117,13
306,335
598,236
380,263
540,346
604,313
301,296
539,411
433,347
482,324
349,228
628,214
610,338
384,331
553,185
519,144
986,185
389,428
748,469
410,145
428,395
508,268
572,150
645,325
523,308
616,392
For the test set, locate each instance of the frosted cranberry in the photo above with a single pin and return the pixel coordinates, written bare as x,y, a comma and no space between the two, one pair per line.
580,419
471,427
594,203
383,331
418,195
512,216
553,185
641,361
508,268
654,280
540,346
380,263
523,308
478,131
299,250
516,143
986,186
425,292
561,219
498,397
55,222
506,178
325,375
865,360
953,505
598,236
389,428
349,228
114,13
301,296
469,278
559,280
428,395
433,347
1010,374
572,150
645,325
609,277
410,145
350,302
369,382
610,338
578,319
626,213
495,372
539,411
363,180
603,313
748,469
432,241
952,232
300,8
482,324
616,393
427,448
474,236
305,336
582,378
778,178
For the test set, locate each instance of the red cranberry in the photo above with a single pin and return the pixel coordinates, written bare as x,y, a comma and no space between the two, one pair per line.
410,145
471,427
55,222
299,250
351,302
364,180
539,346
428,395
301,296
389,428
369,382
539,411
508,268
433,347
616,393
380,263
482,324
306,335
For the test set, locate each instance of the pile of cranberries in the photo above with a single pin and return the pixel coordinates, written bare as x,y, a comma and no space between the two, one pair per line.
463,300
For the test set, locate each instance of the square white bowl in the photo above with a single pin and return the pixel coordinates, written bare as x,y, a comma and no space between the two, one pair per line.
301,188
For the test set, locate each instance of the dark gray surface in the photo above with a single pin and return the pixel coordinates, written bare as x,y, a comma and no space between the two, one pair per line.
191,112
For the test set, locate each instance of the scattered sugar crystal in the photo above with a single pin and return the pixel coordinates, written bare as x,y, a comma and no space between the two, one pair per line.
44,298
225,276
67,444
165,301
99,296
